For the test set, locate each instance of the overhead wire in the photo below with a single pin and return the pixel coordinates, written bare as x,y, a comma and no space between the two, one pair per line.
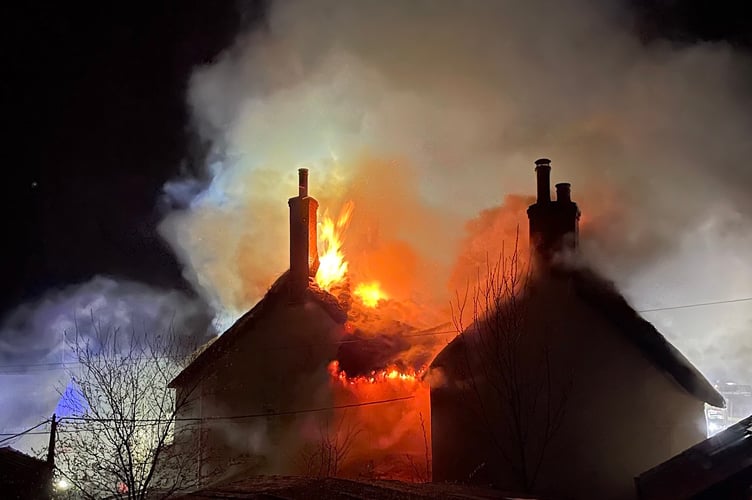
49,366
13,436
37,367
238,417
202,419
699,304
9,437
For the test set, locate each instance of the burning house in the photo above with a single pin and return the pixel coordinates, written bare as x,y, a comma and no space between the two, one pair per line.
289,387
238,375
558,385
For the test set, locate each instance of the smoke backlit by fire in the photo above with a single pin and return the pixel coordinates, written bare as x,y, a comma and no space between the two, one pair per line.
435,125
445,133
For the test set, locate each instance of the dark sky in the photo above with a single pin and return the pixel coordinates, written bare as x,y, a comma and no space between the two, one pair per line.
96,122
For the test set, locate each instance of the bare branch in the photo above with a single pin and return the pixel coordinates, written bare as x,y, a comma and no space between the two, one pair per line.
506,367
122,443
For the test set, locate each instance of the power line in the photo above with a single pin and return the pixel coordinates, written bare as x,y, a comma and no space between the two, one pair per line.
238,417
28,434
202,419
37,367
13,436
699,304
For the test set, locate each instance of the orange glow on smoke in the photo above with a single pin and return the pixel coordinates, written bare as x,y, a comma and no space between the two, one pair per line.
395,438
370,294
390,440
332,263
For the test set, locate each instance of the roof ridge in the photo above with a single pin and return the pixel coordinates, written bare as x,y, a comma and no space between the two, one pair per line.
218,347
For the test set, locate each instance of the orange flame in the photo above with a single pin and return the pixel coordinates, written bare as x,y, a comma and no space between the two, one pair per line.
390,373
332,264
370,294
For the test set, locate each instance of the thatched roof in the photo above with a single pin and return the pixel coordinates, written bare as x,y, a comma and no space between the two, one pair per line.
603,297
278,293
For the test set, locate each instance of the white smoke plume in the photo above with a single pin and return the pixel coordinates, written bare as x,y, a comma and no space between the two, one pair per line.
427,112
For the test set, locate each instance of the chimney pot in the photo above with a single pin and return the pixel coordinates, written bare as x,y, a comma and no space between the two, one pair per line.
302,182
564,192
543,173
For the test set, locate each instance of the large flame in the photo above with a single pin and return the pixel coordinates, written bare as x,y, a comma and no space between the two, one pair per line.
332,263
370,294
392,434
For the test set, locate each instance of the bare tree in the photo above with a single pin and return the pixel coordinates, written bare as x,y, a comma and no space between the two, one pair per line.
325,456
421,472
120,442
517,395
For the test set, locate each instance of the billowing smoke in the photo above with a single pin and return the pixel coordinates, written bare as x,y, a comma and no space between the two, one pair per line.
427,113
36,339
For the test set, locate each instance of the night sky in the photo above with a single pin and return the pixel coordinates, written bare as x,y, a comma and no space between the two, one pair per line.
94,103
96,122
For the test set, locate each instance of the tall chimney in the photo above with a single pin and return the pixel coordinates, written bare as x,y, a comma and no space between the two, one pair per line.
553,225
304,256
543,172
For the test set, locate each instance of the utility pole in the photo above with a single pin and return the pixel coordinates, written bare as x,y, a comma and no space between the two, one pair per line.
51,446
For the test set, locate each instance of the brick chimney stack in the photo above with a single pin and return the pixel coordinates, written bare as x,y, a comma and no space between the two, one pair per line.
304,256
553,224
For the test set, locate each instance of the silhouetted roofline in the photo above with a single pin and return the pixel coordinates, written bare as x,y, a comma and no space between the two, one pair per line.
606,300
216,348
11,457
601,295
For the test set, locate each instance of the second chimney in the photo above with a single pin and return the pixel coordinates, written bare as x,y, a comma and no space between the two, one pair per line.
304,256
564,192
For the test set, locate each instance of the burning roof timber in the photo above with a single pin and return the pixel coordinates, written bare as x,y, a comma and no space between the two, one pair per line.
375,340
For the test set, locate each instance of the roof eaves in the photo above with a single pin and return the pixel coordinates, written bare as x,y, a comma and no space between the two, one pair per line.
606,300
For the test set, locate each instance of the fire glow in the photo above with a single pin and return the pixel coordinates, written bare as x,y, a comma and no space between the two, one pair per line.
332,272
370,294
390,373
332,264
